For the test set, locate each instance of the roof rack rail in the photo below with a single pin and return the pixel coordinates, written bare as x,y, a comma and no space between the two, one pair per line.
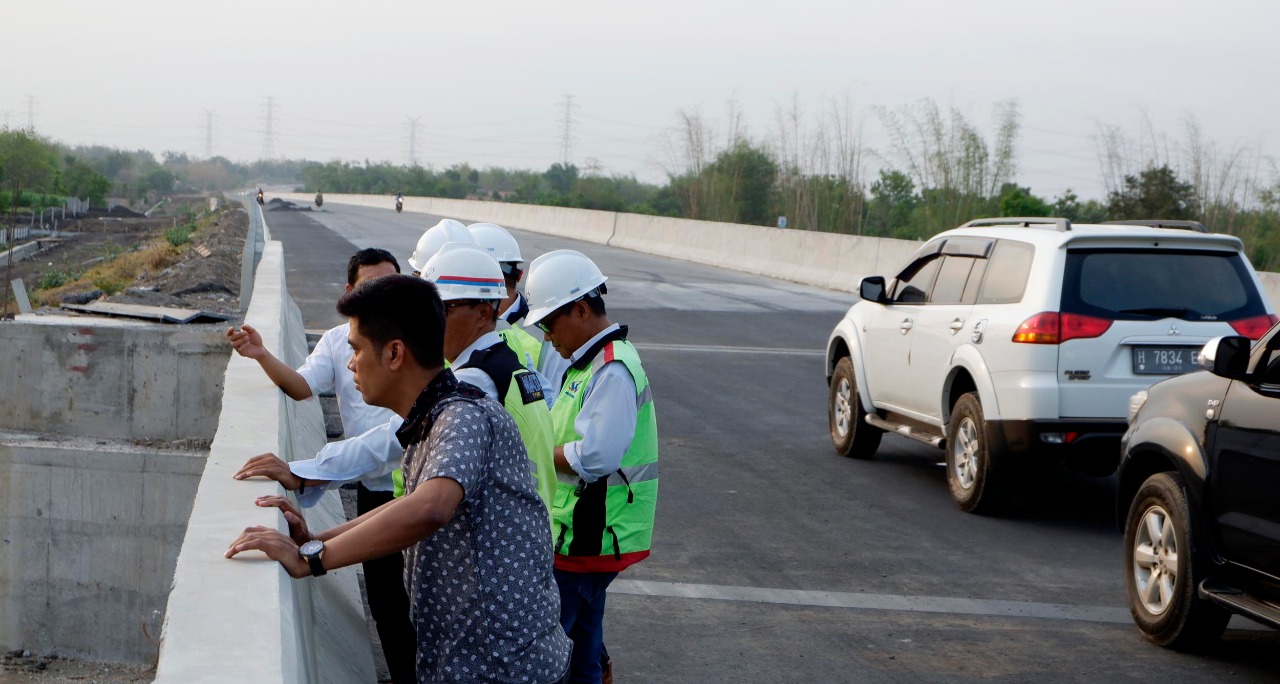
1161,223
1062,225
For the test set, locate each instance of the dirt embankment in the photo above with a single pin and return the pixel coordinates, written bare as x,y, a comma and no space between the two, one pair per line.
183,256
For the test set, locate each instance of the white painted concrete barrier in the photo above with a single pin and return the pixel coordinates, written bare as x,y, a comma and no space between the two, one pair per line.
828,260
823,259
246,620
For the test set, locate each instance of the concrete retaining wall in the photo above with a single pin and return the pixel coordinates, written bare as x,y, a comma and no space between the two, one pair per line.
104,422
246,620
20,252
111,378
90,533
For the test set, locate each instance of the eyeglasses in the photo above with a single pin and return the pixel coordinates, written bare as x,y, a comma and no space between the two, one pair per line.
547,321
450,306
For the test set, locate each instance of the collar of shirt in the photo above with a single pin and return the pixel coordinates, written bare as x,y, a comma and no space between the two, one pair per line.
483,342
588,351
517,311
418,423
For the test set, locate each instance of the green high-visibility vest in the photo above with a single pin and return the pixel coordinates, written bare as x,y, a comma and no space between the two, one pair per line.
522,398
527,348
607,525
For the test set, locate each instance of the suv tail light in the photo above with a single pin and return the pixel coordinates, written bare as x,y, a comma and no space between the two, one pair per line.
1051,327
1256,326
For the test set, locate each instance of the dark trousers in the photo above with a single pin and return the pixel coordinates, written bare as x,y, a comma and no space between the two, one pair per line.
388,601
582,596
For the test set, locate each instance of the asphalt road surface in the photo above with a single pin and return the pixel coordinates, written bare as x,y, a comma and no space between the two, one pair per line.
775,560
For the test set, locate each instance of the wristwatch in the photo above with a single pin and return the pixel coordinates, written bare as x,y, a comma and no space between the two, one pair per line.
312,552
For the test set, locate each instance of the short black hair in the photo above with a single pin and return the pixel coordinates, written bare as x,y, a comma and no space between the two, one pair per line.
399,307
368,257
595,303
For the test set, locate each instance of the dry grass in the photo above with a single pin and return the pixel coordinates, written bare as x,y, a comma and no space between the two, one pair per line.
116,274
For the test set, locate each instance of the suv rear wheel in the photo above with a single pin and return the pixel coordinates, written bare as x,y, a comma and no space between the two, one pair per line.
850,433
1162,572
976,469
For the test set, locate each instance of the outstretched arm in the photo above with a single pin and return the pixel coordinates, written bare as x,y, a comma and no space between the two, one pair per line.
248,343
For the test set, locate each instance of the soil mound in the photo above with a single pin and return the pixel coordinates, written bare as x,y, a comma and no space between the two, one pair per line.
120,211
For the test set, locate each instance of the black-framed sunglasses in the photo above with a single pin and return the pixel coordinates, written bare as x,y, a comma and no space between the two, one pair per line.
547,321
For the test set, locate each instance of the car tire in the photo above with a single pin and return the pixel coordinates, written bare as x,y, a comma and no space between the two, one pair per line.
977,469
850,433
1162,595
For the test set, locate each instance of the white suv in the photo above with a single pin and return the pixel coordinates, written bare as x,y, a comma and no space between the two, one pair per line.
1016,340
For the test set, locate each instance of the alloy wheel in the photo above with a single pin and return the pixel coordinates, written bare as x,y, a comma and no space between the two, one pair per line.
964,453
1155,560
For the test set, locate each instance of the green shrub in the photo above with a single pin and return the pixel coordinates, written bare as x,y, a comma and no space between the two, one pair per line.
108,285
51,279
178,236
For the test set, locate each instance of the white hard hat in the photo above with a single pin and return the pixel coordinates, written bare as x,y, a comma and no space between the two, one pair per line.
447,230
463,270
497,240
557,278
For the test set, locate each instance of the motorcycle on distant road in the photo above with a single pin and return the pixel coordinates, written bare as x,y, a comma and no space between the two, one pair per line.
399,203
260,200
319,200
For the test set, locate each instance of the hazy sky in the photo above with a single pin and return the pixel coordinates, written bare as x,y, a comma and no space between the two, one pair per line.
486,80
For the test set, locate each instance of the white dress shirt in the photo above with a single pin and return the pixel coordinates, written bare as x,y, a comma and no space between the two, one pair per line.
607,420
325,370
376,452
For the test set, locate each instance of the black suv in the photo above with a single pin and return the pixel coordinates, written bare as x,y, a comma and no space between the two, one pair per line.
1199,495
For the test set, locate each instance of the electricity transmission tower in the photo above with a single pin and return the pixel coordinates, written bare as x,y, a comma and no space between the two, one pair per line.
566,124
269,134
31,114
413,139
208,133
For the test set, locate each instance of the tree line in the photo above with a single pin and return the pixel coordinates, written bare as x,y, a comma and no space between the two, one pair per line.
937,170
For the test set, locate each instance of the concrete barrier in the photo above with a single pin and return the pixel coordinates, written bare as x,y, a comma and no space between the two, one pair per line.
20,252
1270,286
827,260
245,620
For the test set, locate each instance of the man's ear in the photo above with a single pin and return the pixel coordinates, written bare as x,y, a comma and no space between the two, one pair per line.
394,353
348,288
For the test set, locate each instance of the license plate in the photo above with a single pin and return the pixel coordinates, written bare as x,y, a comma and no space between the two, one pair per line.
1164,360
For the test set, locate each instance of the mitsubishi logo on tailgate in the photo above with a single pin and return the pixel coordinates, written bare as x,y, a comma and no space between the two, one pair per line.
1173,329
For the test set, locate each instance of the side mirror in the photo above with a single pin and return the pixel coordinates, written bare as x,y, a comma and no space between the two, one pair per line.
1226,357
872,290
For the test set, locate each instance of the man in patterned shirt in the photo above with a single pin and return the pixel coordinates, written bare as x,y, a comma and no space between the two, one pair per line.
479,576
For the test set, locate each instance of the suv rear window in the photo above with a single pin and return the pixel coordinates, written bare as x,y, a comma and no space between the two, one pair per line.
1138,284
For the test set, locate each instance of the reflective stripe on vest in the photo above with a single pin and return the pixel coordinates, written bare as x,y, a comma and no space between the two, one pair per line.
607,525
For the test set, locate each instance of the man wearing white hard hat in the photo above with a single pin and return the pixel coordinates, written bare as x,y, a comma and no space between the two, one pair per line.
471,286
607,453
504,248
447,230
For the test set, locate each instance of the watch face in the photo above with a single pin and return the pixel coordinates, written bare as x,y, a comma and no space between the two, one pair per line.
311,548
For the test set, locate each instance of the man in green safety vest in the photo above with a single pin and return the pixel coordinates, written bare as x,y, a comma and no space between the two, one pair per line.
471,286
606,454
